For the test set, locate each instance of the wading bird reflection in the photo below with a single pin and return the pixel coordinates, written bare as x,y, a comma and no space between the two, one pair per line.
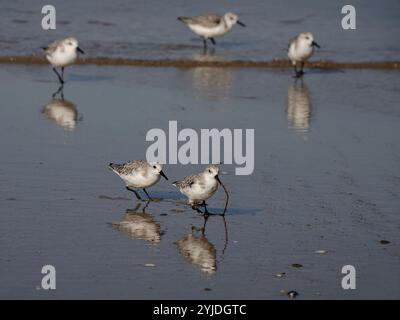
199,251
209,81
299,108
139,225
61,111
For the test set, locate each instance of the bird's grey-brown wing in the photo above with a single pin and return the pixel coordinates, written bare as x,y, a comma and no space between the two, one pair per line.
52,47
129,167
291,42
135,165
186,182
209,20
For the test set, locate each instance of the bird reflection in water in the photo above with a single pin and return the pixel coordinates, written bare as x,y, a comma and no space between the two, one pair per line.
210,81
299,109
139,225
61,111
199,251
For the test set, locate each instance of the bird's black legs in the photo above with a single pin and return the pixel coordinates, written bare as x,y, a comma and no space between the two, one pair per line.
147,194
60,89
196,206
135,192
204,204
62,74
203,230
58,75
204,43
301,68
299,73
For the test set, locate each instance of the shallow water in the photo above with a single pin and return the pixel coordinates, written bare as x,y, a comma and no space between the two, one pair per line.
326,178
150,30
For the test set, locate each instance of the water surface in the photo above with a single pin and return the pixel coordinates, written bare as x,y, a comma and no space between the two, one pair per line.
326,178
150,30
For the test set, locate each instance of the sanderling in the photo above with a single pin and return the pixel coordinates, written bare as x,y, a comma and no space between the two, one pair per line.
300,49
62,53
212,25
138,174
200,187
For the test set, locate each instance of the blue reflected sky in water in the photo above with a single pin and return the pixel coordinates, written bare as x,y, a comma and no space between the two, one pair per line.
333,186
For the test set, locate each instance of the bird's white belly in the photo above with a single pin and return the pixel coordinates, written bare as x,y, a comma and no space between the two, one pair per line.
219,30
198,192
139,180
301,53
61,59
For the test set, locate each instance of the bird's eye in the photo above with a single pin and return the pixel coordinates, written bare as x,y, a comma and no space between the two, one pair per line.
209,171
154,167
308,38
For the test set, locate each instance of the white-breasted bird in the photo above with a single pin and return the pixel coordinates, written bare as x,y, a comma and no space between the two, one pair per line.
300,49
62,53
200,187
211,25
138,174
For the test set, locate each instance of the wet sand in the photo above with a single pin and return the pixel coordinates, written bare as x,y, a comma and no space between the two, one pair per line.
327,177
207,60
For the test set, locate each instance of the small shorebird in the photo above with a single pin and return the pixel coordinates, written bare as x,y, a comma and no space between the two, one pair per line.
138,174
300,49
62,53
200,187
212,25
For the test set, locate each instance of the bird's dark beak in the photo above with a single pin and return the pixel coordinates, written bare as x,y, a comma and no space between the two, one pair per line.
80,50
315,44
240,23
163,175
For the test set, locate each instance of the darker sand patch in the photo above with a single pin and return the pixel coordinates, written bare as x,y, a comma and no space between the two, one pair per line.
103,197
187,63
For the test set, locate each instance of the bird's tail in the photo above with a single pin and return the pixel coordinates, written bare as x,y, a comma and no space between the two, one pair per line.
114,167
183,19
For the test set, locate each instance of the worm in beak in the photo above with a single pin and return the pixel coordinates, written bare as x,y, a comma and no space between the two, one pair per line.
226,192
